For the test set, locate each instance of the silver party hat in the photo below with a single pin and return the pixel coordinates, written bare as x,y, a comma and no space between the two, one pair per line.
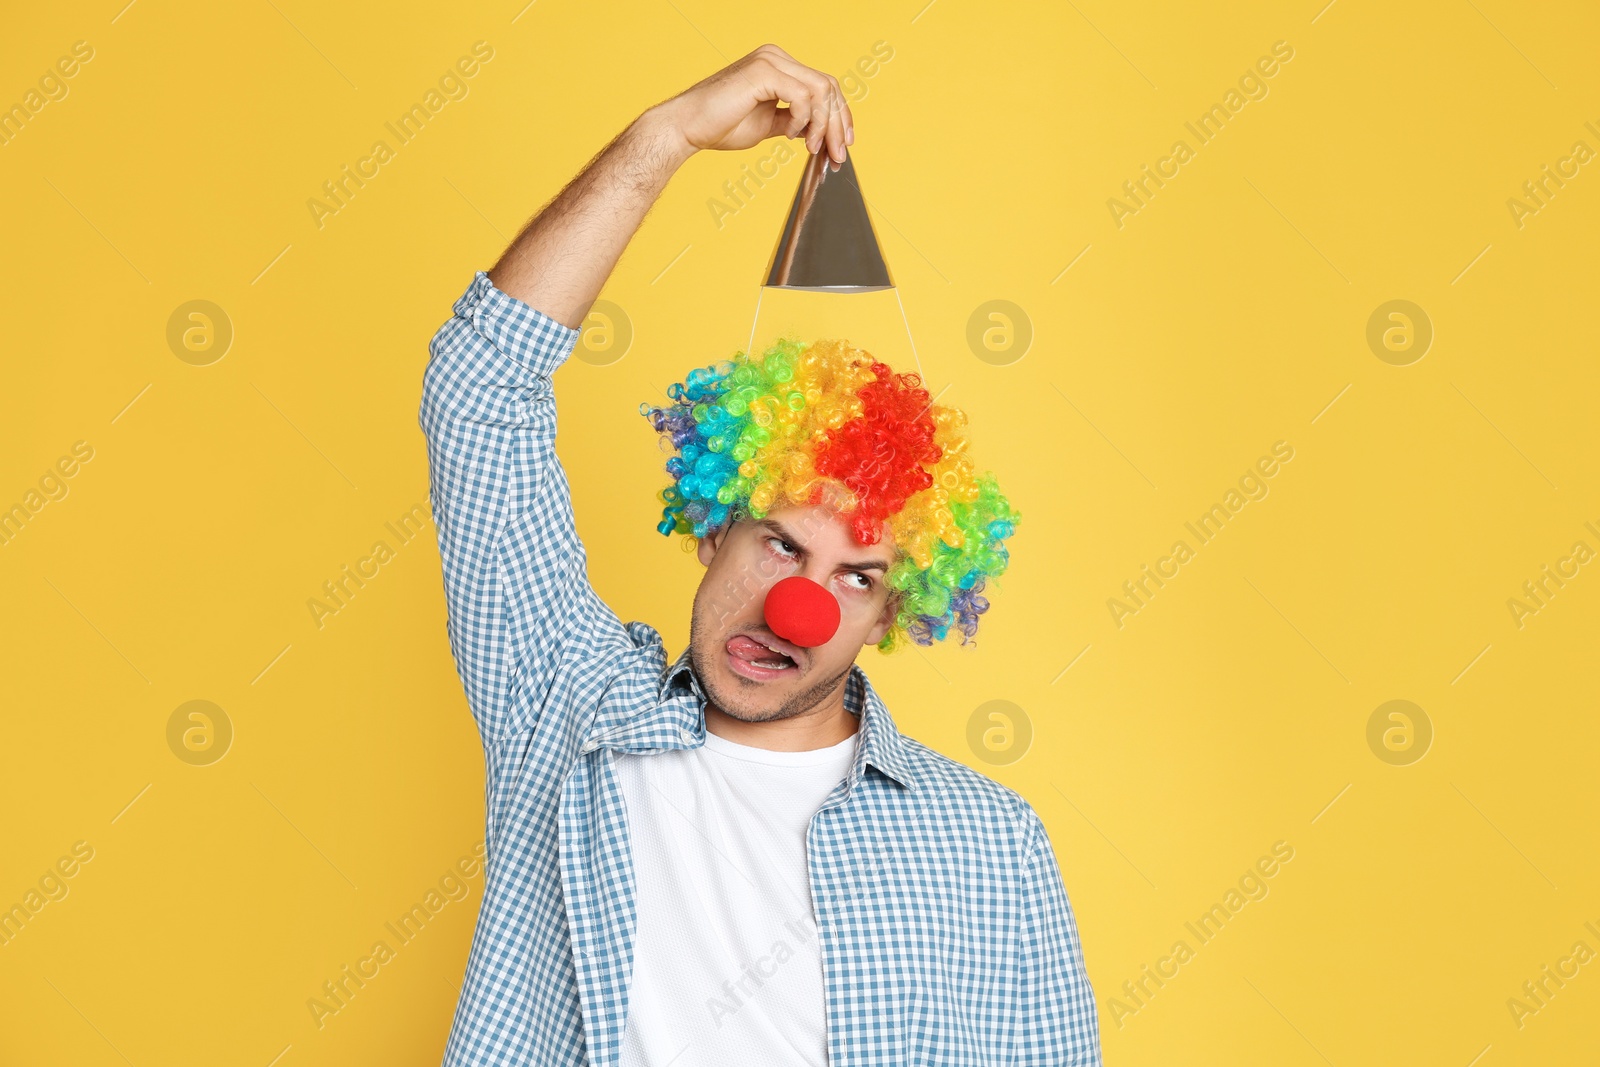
828,244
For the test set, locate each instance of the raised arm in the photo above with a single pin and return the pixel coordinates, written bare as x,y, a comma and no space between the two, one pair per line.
516,576
562,258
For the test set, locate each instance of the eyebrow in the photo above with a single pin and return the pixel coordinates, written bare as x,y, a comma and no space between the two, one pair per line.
859,565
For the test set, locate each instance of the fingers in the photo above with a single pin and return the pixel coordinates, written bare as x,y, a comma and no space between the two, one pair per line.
800,94
822,117
838,121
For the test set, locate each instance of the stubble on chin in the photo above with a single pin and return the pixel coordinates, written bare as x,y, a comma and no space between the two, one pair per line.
745,702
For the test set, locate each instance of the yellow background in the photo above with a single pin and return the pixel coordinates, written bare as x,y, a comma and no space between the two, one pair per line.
1228,314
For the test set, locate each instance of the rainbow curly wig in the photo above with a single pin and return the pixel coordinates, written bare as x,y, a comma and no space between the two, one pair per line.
808,423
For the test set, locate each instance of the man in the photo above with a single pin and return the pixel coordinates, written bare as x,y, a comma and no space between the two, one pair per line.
737,858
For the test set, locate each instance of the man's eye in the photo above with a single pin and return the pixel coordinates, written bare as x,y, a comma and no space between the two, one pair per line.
784,547
866,583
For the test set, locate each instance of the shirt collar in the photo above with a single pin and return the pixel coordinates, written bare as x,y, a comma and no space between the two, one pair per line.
881,744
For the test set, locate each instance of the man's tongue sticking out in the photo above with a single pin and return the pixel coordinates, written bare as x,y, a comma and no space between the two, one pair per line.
752,651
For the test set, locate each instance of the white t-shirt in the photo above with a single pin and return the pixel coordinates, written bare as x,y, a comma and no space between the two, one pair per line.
726,967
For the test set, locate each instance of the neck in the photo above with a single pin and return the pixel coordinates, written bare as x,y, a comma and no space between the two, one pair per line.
820,727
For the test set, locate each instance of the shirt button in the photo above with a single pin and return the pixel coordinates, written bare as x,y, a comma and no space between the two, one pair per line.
686,736
589,746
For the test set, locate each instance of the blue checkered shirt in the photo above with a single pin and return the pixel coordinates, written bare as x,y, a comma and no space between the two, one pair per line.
945,932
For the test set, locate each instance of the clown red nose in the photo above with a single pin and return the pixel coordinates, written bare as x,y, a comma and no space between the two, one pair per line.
801,611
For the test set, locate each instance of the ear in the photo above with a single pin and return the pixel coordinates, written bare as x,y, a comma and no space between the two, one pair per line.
885,620
706,550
